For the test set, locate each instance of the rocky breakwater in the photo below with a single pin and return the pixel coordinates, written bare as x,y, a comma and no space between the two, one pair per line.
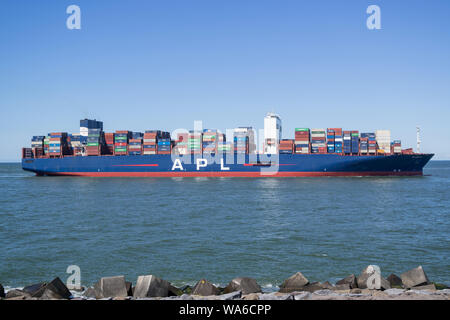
368,285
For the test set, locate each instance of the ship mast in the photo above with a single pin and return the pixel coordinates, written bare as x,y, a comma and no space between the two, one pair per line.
418,139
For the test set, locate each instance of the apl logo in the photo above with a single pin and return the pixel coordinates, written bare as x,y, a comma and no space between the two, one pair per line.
201,163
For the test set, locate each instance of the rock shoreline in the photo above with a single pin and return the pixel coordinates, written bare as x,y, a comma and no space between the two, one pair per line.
368,285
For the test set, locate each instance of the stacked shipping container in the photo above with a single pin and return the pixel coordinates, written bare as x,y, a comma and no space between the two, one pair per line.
241,142
371,142
364,144
286,146
330,141
302,138
181,144
95,139
87,125
57,144
195,142
318,141
355,142
396,147
338,140
27,153
37,146
164,144
222,145
244,140
150,142
135,144
121,138
109,143
76,144
209,142
351,142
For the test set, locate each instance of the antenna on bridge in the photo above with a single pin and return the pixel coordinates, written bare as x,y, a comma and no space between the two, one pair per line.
418,139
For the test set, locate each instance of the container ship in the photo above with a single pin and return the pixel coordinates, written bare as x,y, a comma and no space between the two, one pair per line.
210,153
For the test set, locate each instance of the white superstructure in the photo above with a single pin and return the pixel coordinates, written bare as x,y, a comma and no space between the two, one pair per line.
248,132
272,133
383,138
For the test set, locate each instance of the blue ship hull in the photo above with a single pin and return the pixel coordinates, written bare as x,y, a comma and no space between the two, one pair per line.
231,165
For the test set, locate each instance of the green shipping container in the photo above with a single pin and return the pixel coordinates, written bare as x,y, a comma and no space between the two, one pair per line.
92,144
301,129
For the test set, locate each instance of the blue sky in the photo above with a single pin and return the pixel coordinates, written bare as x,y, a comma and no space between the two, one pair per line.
147,64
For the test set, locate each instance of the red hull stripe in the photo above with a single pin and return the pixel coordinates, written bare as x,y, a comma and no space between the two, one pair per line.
135,165
235,174
258,165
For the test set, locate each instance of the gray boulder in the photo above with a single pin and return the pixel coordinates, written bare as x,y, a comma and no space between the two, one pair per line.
384,285
151,286
414,277
35,290
75,287
325,292
364,276
90,293
394,291
186,289
205,288
15,293
129,287
344,286
275,296
294,283
55,290
302,295
369,274
182,297
174,291
231,296
185,297
111,287
431,287
395,281
246,285
316,286
349,280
